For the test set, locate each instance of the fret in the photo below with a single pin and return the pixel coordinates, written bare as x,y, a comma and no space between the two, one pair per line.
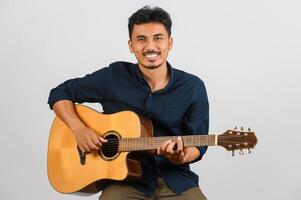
150,143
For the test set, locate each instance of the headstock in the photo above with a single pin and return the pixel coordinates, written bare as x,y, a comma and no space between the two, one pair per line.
237,140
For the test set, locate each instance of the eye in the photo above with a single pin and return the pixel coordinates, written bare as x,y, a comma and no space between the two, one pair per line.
141,39
158,38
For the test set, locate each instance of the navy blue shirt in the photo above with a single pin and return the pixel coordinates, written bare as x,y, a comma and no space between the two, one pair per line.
178,109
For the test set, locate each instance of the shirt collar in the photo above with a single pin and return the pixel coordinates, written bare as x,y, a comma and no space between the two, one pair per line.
171,78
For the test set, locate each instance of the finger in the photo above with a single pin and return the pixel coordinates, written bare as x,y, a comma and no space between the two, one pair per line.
162,149
102,140
165,146
170,148
92,146
86,148
96,141
180,145
182,155
159,151
81,148
185,150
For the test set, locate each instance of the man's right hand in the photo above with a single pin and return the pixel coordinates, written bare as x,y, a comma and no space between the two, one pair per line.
87,140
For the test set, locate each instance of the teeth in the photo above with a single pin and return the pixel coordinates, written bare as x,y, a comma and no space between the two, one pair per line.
151,55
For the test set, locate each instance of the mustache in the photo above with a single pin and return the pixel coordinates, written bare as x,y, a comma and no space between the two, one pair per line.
151,52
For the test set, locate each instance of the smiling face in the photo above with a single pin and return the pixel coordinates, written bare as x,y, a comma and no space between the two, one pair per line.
150,43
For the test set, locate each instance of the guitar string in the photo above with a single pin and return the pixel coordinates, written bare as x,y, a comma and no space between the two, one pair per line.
164,139
114,148
132,140
113,143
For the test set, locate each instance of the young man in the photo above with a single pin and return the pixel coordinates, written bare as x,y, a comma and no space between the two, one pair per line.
174,100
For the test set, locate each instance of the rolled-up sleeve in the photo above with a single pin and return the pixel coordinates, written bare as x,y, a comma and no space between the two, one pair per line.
197,117
90,88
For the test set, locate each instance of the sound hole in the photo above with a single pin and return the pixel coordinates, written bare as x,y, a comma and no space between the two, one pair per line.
110,149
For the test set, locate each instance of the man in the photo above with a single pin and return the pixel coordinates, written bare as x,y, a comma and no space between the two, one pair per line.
174,100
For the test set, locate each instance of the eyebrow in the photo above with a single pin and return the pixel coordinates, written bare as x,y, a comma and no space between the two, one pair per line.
158,34
143,36
140,36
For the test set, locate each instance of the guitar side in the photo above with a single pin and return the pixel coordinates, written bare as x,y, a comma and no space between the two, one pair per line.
65,172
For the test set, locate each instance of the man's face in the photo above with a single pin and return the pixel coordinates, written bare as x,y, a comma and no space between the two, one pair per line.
150,43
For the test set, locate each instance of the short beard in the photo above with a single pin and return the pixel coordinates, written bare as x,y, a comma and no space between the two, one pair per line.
152,67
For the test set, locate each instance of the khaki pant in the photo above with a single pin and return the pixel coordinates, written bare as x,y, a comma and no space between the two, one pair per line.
127,192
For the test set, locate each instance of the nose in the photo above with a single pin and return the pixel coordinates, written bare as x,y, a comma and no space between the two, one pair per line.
150,45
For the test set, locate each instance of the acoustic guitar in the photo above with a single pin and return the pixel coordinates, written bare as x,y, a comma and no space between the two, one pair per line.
128,134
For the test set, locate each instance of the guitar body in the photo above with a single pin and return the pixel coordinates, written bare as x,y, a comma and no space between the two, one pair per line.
67,174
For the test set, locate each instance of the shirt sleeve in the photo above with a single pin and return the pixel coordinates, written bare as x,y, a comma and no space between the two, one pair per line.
197,116
90,88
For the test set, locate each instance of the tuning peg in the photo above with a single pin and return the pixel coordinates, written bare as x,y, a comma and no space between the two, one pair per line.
232,152
249,151
242,128
235,128
249,129
241,152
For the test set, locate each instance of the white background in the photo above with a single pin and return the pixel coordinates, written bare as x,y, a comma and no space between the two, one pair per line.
247,52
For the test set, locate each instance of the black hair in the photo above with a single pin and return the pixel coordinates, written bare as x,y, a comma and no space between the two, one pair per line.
148,14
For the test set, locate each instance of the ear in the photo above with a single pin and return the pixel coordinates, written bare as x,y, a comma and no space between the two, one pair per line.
130,46
170,43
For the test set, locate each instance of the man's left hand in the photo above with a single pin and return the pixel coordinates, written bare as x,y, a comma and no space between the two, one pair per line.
174,151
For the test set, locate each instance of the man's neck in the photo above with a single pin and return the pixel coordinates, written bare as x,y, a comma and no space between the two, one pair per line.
157,78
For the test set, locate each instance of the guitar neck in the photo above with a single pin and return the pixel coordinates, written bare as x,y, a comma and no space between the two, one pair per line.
151,143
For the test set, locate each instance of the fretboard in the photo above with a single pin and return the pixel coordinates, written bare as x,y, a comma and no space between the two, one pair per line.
150,143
